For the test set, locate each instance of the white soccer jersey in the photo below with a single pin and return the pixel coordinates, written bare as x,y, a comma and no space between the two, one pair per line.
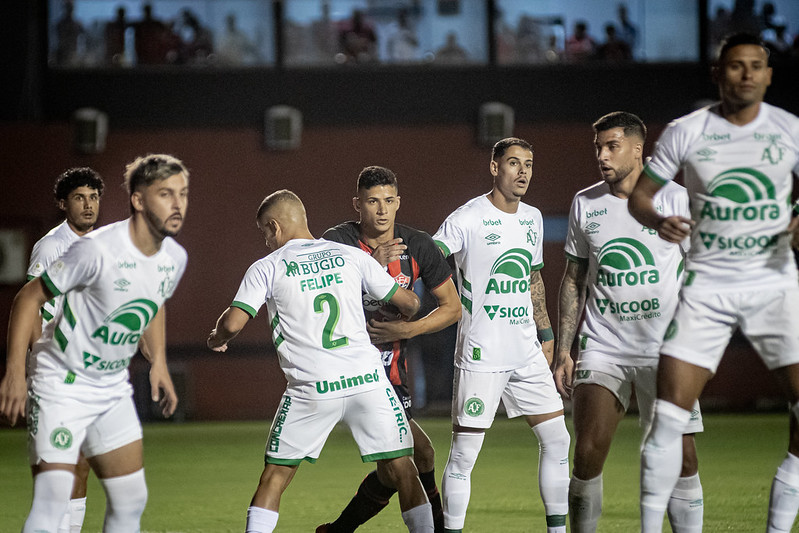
45,251
111,292
633,277
739,181
312,290
495,253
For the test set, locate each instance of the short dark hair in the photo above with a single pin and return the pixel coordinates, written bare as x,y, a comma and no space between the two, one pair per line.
374,176
738,39
143,171
632,124
276,197
502,146
72,178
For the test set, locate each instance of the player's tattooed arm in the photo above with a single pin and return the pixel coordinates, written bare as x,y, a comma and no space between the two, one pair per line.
540,314
571,300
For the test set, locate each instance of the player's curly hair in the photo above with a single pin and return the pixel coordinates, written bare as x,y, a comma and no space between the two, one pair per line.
73,178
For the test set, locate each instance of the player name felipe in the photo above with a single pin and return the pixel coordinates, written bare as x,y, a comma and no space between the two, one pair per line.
314,284
323,387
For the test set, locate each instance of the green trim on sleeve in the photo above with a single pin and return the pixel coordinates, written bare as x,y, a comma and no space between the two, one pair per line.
539,266
246,308
29,277
654,177
575,259
49,284
796,207
443,248
391,293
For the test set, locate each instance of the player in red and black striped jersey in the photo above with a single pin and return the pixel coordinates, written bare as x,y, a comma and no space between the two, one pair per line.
408,255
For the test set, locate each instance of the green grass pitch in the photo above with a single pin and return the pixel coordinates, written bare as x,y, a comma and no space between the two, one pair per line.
201,477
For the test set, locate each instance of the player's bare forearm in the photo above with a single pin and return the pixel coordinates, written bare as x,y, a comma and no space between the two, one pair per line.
22,322
229,324
406,301
447,313
571,299
539,298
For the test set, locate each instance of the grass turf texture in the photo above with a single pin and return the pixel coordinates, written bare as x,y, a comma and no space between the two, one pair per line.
201,477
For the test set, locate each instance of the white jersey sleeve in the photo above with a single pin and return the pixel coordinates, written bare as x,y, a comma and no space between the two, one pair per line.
450,236
576,246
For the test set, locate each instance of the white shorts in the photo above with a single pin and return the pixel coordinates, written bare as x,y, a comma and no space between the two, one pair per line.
703,324
59,427
376,419
619,380
529,390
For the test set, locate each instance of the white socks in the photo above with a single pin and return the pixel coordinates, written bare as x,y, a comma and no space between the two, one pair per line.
585,504
784,500
260,520
686,506
73,518
553,471
51,490
419,519
456,483
126,497
661,462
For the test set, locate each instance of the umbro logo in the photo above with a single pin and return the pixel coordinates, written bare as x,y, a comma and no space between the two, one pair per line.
592,227
492,238
121,285
706,154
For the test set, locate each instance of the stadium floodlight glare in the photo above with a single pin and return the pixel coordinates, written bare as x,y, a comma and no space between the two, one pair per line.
89,130
495,122
282,127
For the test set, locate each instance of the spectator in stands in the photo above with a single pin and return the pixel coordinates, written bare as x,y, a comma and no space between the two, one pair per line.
357,39
155,42
452,53
402,43
627,32
235,48
197,42
325,36
613,50
115,39
580,46
68,32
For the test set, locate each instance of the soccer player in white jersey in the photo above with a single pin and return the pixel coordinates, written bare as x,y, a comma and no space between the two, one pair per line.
114,282
737,158
312,291
77,193
632,278
497,242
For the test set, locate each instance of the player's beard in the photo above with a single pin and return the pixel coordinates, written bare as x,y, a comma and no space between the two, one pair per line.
159,226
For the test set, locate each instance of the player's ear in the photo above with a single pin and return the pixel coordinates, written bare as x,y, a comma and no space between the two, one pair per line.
356,203
494,167
136,201
398,201
62,204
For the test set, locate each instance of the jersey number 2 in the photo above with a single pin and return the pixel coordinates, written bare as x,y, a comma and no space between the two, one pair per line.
327,333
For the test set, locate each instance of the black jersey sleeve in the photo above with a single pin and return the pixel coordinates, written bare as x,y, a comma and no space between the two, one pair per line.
433,267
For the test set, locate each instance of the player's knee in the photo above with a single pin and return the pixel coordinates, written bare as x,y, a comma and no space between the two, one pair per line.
424,455
553,437
126,498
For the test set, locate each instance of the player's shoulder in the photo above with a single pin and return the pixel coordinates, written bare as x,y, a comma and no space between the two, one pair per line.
592,192
526,210
175,249
469,208
347,232
409,234
781,117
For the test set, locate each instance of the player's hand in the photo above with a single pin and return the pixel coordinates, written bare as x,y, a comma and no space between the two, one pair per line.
382,332
215,343
13,393
675,228
163,389
562,372
388,252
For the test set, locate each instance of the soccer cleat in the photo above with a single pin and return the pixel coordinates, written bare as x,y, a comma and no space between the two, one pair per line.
323,528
